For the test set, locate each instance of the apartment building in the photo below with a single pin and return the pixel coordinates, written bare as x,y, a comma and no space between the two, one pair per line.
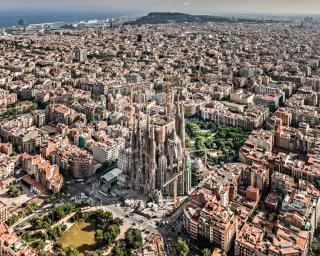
210,218
41,174
3,212
12,245
250,119
108,150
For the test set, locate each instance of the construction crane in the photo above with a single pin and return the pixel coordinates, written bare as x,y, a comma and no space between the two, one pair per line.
174,180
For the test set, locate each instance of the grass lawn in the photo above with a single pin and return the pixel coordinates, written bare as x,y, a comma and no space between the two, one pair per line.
80,236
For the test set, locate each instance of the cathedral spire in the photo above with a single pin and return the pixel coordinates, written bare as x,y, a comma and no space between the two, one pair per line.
178,118
168,102
182,132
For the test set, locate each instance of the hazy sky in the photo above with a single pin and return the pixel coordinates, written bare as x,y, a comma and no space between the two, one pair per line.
191,6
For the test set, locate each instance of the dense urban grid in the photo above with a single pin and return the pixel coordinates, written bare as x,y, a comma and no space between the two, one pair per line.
172,139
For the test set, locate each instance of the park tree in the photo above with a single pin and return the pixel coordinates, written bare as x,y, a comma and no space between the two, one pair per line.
117,221
14,191
111,233
182,248
71,251
55,232
103,218
99,236
133,238
107,236
119,249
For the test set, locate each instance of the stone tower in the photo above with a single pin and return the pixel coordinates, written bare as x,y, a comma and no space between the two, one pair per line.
158,154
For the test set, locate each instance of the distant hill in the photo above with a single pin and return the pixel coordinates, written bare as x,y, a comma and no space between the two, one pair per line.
175,17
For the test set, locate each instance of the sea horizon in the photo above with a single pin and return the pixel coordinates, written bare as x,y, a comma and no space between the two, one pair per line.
9,18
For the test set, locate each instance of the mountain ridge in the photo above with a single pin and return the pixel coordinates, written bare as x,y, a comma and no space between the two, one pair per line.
178,17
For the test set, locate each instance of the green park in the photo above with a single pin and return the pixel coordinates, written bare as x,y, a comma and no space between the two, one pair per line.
204,137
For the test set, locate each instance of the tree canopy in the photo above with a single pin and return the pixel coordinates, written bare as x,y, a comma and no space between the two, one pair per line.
70,251
207,136
133,238
132,241
182,248
14,191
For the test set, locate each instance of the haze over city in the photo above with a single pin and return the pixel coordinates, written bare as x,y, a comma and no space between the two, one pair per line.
190,6
161,128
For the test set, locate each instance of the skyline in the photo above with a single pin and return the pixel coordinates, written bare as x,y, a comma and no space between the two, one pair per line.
285,7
